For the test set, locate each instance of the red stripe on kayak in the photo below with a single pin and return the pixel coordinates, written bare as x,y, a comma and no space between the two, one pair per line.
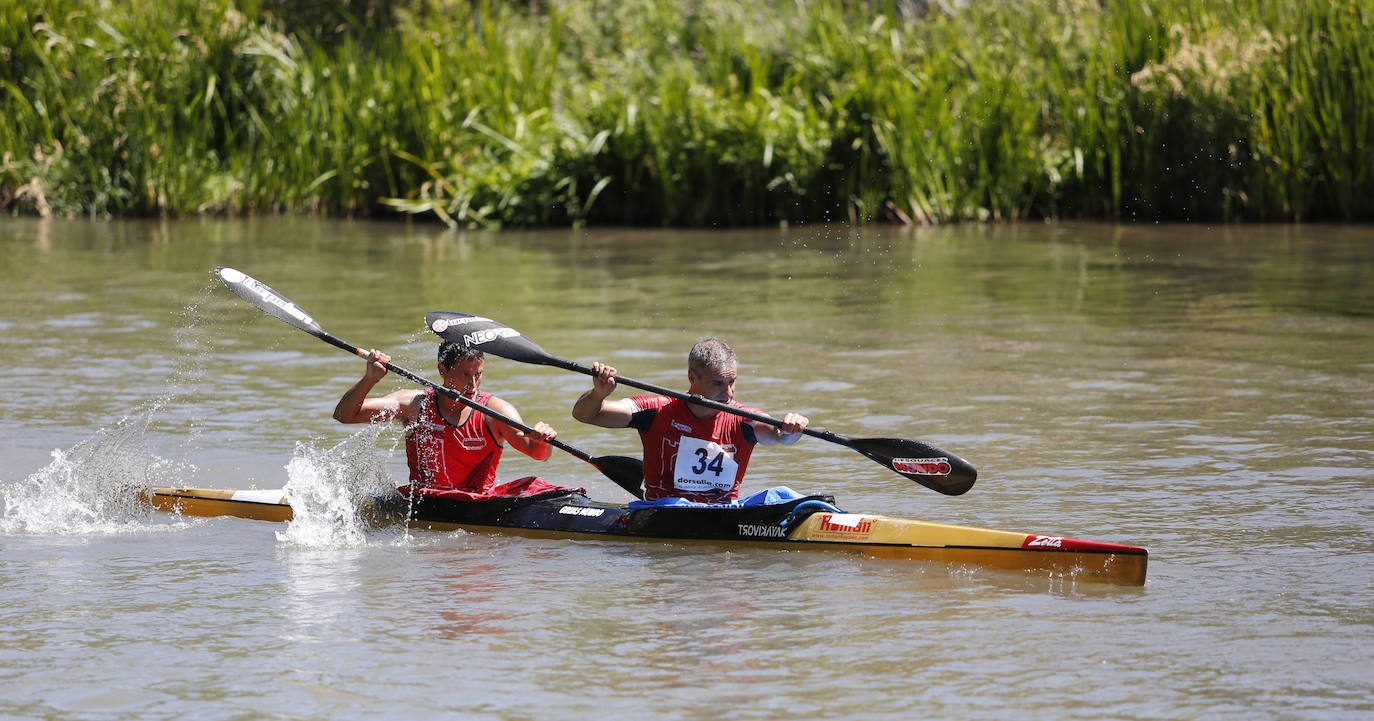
1038,542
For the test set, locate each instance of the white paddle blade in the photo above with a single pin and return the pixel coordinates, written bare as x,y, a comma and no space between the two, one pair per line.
262,297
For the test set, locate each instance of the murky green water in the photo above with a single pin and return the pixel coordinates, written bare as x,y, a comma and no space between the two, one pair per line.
1205,392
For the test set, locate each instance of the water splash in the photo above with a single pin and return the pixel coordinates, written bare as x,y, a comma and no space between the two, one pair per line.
97,486
330,490
102,484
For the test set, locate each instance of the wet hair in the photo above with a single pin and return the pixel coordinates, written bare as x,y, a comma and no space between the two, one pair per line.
453,352
711,354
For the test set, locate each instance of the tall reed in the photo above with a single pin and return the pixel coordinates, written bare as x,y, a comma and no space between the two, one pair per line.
697,113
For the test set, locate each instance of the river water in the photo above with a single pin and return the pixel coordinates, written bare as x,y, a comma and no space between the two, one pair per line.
1205,392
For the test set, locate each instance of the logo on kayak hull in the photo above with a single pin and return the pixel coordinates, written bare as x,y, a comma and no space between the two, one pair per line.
848,526
1035,541
761,531
922,466
581,511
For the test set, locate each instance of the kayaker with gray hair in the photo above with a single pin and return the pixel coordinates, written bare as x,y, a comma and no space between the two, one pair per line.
690,451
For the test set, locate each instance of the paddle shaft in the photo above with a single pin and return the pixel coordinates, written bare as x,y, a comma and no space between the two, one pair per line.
697,399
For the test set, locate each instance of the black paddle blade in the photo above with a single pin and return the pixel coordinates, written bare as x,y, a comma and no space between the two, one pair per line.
923,463
486,335
628,473
269,301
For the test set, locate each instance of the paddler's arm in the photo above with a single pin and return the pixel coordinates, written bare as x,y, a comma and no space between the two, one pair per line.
791,431
595,408
356,407
535,445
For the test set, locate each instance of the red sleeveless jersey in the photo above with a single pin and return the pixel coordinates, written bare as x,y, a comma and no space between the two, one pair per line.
443,455
698,459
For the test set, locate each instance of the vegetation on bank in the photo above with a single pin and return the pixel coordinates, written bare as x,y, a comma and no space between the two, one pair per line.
690,112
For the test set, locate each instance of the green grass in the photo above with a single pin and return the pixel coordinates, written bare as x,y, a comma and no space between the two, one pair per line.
693,113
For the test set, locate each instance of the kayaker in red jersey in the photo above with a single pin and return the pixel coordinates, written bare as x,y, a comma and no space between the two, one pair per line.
690,451
448,444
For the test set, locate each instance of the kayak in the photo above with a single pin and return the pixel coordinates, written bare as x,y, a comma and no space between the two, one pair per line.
807,523
792,523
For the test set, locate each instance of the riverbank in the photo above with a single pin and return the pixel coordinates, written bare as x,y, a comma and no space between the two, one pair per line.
659,112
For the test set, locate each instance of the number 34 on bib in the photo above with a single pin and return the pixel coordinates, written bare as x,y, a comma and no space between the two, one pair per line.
704,466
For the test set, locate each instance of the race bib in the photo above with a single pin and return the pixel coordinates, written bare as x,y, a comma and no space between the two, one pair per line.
704,466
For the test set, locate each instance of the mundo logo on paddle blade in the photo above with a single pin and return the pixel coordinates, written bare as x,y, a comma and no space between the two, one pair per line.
922,466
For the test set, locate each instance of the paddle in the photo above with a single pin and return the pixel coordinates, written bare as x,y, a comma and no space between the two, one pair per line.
628,473
921,462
